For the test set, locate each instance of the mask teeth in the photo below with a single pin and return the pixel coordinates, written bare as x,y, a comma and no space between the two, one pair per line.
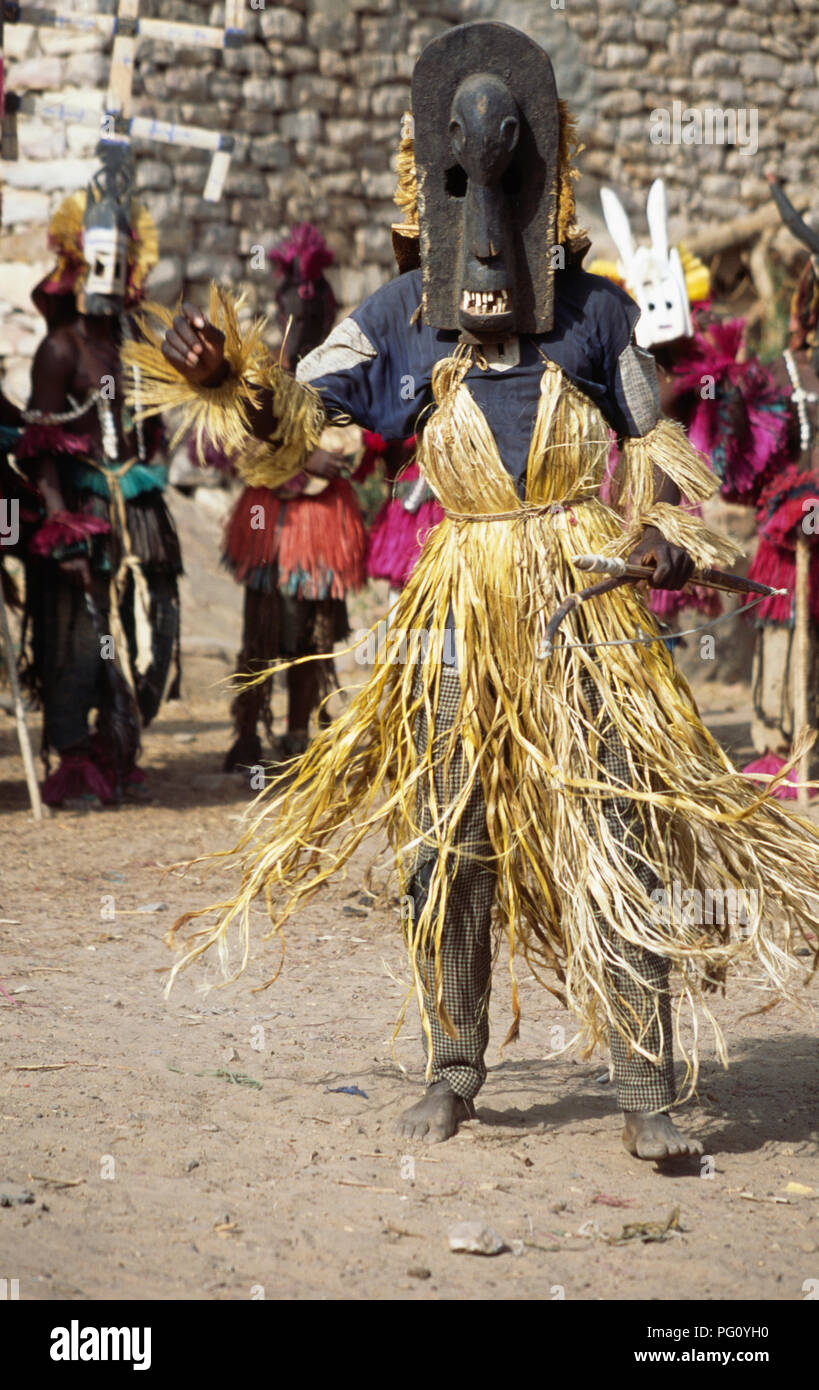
485,303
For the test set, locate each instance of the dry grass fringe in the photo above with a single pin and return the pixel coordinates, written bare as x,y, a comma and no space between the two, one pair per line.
221,413
300,420
569,148
406,192
568,895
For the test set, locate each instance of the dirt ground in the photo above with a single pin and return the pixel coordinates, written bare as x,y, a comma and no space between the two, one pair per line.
195,1148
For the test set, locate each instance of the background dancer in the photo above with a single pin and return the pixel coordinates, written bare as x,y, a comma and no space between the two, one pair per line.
101,573
298,549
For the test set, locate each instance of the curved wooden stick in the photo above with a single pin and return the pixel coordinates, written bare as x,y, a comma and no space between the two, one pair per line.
709,578
619,572
574,601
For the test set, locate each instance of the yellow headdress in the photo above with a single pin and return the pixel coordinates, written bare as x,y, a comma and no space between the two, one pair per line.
696,272
65,236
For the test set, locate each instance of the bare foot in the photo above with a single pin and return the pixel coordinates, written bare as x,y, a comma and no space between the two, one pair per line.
656,1136
436,1117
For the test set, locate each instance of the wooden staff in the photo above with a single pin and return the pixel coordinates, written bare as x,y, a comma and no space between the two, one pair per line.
127,26
801,660
709,578
619,572
19,713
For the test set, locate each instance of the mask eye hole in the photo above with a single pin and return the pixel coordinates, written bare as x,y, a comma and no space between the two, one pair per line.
652,307
455,182
511,180
99,268
668,304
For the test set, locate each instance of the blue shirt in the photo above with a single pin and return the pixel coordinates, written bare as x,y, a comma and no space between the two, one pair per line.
376,366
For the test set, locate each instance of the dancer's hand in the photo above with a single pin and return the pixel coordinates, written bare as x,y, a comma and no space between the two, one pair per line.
323,464
672,565
77,570
195,348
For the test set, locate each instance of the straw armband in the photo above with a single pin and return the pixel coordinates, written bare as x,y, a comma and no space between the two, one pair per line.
221,414
666,447
679,527
298,422
667,450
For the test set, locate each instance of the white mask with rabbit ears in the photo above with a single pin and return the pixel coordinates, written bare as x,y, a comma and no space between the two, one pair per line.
652,274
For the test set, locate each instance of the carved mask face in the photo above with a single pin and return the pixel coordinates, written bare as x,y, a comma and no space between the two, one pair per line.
484,129
486,146
652,274
107,229
659,289
106,252
306,317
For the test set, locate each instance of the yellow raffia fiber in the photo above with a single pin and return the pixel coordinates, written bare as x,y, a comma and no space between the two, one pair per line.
65,236
65,228
143,252
568,900
406,192
300,419
697,275
568,231
666,450
221,413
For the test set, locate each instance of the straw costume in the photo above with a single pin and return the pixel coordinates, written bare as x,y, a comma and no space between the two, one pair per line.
556,800
104,558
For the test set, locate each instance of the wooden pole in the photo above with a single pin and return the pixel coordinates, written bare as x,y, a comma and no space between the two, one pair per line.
801,657
127,28
741,230
20,714
121,76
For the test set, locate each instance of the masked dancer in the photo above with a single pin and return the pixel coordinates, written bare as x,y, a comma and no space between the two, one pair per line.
102,567
557,794
297,549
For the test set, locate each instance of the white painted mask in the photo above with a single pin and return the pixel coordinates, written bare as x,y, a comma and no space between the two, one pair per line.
106,252
652,274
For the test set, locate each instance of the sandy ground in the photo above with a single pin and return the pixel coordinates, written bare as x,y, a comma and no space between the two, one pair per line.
195,1148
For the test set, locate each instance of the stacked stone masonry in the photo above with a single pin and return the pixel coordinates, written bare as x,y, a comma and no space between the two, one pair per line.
314,97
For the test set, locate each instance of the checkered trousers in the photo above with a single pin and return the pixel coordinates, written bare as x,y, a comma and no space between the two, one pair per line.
466,948
642,1004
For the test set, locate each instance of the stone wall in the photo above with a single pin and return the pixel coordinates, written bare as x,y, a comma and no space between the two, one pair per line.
314,97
